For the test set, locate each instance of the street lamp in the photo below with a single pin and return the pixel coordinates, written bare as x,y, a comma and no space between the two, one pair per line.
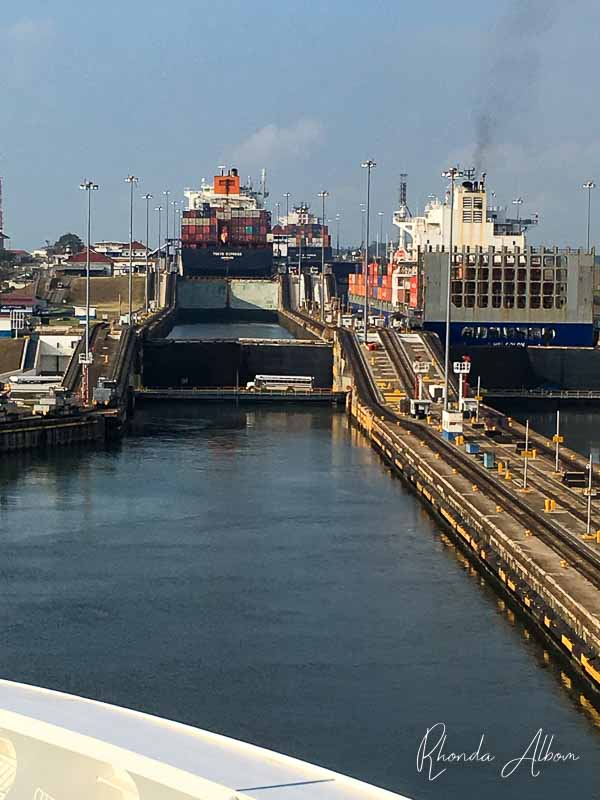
518,202
589,185
89,187
277,212
159,209
131,180
368,165
147,198
323,195
337,220
380,231
287,196
166,194
453,173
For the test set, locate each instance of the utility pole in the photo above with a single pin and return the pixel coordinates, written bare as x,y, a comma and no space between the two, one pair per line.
131,180
147,198
323,195
157,269
368,165
589,185
86,359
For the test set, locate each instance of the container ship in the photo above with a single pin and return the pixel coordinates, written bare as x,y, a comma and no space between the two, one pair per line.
225,229
298,238
503,292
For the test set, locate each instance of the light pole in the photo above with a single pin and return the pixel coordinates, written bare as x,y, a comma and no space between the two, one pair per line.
380,231
518,202
157,270
277,213
147,198
369,164
166,194
589,185
453,173
89,187
131,180
174,203
589,497
337,244
287,196
323,195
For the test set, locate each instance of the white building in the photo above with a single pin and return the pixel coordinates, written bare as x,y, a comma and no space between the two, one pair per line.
118,252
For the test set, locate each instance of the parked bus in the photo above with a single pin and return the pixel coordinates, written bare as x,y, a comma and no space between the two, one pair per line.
281,383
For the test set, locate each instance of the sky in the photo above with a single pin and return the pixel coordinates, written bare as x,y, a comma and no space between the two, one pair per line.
309,90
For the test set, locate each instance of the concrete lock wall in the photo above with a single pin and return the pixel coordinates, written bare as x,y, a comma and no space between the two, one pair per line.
201,294
216,364
248,295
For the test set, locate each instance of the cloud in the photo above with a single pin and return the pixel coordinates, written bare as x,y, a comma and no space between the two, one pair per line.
29,31
272,143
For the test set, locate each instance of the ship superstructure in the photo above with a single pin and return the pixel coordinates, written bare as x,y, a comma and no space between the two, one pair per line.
225,228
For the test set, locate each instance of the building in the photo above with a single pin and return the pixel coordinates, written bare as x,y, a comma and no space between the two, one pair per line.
118,252
76,265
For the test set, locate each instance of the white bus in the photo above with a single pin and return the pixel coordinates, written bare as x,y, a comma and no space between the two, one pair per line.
281,383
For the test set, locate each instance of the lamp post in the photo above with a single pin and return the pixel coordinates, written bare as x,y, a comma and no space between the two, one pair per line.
589,185
588,529
174,203
453,173
86,361
380,231
287,196
131,180
337,244
166,194
157,270
277,212
147,198
369,164
518,202
323,195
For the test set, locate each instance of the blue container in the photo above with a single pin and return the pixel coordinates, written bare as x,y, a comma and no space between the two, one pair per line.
489,460
472,448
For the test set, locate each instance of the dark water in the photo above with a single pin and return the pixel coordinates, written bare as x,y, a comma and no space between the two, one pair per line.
230,330
579,424
259,573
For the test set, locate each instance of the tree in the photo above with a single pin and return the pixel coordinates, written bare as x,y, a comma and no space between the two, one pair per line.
67,240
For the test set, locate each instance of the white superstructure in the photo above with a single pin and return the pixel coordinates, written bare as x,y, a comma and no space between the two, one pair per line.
476,223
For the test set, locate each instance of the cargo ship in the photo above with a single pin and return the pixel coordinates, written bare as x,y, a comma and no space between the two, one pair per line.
225,228
298,238
503,292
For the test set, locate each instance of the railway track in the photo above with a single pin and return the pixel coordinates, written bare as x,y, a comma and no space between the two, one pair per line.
566,545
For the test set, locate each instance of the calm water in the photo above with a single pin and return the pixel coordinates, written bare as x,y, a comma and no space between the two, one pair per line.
229,330
259,573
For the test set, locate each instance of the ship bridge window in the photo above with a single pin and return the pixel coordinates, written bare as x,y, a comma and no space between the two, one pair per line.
496,301
469,301
509,301
521,302
534,302
482,300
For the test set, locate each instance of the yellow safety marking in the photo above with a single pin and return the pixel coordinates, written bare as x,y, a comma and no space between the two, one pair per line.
482,554
547,622
567,642
448,517
527,602
585,663
502,575
512,585
558,438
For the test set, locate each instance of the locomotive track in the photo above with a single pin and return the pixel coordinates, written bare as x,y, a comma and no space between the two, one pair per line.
566,545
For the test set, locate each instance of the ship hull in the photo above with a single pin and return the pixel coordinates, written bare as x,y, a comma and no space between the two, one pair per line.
231,261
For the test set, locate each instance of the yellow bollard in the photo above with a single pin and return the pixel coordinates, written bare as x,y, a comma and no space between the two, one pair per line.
501,468
508,475
546,505
499,509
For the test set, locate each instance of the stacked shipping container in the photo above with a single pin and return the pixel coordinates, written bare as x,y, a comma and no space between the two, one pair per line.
212,227
380,282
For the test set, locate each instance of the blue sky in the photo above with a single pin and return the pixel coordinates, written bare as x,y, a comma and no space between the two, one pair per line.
309,90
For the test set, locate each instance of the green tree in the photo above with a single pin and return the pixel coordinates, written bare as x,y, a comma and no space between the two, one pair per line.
67,240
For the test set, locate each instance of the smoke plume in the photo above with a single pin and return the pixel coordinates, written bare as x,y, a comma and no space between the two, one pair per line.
511,76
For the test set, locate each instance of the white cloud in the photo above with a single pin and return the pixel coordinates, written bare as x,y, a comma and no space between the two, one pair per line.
29,31
273,143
